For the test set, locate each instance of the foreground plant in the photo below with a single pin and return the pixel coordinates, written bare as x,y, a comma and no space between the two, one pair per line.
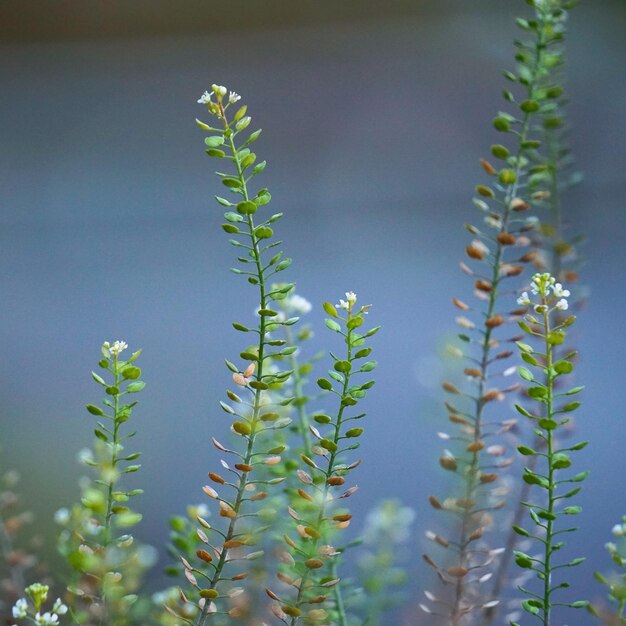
547,299
478,449
310,560
106,561
30,608
256,419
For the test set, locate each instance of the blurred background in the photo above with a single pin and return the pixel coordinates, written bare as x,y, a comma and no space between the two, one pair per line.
374,116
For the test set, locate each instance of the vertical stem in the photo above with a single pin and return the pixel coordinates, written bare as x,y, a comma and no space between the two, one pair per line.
109,511
322,512
243,479
551,482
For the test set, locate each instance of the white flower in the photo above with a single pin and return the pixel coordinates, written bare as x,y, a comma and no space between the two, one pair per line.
85,456
62,516
59,607
233,97
106,345
298,304
21,608
117,347
47,619
562,304
205,98
348,303
559,292
619,530
523,299
219,90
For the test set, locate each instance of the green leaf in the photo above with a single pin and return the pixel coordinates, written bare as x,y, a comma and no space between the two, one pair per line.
523,560
569,407
523,411
369,366
500,124
214,141
231,229
135,387
343,366
131,372
215,153
325,384
520,531
526,451
95,410
98,379
529,106
525,373
573,391
499,151
354,322
329,445
572,510
563,367
332,325
354,432
100,435
247,207
547,423
528,358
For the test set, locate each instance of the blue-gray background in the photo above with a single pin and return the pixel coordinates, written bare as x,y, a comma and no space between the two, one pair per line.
374,118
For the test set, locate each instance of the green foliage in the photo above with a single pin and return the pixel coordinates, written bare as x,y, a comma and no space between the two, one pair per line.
555,491
314,591
96,542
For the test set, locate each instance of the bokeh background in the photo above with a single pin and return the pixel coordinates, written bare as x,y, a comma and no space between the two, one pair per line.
374,117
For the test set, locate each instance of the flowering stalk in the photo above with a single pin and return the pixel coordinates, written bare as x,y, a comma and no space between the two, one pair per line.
254,420
107,564
550,175
30,607
550,299
503,203
310,560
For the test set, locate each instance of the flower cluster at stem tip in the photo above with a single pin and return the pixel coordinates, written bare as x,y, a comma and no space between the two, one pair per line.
349,302
38,594
219,91
546,287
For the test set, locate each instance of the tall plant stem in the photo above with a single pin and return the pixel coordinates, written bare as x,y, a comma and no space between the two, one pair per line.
243,480
342,619
458,611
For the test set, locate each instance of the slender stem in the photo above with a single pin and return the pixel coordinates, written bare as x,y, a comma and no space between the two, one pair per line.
472,484
342,619
303,421
256,409
109,510
551,482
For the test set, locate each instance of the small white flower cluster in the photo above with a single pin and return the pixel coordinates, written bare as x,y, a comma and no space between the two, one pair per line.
220,91
295,303
619,530
116,348
49,618
349,302
545,286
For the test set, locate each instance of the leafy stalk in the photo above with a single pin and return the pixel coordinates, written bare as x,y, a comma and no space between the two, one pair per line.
552,458
253,421
107,564
502,203
311,561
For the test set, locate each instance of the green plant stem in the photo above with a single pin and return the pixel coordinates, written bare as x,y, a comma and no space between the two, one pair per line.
109,510
243,479
471,485
548,549
342,619
303,422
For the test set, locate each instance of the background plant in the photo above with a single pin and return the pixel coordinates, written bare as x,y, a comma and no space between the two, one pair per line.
96,542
